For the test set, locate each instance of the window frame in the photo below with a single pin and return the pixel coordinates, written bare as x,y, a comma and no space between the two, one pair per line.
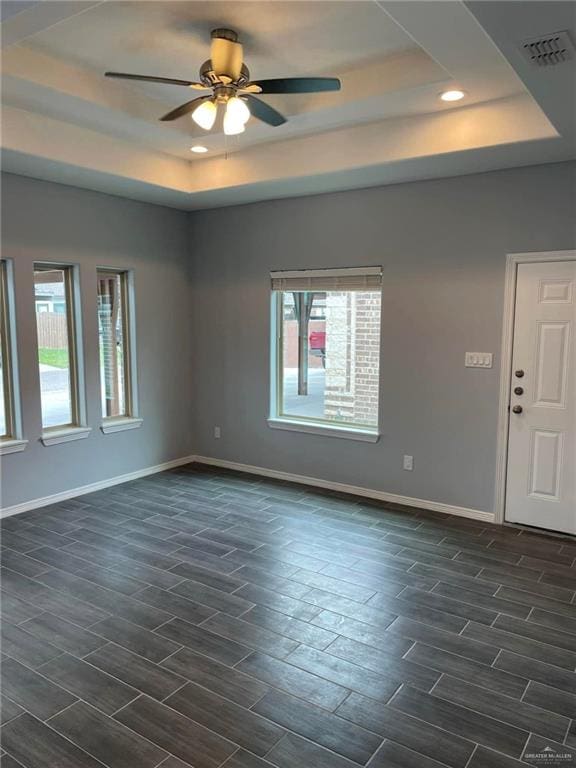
5,325
279,420
131,419
76,428
12,441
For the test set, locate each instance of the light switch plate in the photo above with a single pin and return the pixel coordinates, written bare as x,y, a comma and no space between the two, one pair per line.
478,360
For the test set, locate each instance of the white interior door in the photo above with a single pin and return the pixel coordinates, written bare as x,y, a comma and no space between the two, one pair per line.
541,477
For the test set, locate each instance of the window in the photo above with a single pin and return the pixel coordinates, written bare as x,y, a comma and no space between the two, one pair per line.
6,429
57,327
10,416
10,421
116,345
326,351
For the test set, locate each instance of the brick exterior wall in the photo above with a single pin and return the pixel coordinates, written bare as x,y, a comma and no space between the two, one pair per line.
352,356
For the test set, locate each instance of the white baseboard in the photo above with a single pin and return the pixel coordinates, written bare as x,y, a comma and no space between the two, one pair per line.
100,485
393,498
355,490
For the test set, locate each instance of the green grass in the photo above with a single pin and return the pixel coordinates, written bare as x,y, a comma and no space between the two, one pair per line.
56,357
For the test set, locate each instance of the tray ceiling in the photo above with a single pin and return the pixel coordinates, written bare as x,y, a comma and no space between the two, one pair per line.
64,121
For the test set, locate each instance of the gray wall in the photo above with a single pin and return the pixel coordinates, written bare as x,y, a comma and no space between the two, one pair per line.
203,323
443,246
51,222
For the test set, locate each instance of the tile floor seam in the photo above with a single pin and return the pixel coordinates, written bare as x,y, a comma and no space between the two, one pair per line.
471,756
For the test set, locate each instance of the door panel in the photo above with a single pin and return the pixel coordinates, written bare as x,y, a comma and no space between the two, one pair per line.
556,291
545,464
541,475
551,364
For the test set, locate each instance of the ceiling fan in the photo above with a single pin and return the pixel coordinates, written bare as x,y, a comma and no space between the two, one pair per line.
226,75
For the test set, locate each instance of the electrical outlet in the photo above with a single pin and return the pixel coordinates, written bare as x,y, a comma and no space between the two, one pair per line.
408,463
217,433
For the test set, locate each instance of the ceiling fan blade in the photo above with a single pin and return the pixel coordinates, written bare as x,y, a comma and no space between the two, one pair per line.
184,109
298,85
263,111
152,79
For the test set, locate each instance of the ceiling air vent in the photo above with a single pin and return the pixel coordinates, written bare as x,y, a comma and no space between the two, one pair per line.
548,50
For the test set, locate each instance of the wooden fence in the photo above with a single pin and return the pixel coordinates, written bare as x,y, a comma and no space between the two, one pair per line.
52,330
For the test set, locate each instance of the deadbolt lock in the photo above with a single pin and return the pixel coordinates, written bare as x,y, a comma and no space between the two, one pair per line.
517,409
518,391
519,374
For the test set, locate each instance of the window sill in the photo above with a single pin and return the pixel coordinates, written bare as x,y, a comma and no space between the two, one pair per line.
12,445
65,435
317,429
121,424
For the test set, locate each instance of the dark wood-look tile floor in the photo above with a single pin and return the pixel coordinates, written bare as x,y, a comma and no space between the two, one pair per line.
206,619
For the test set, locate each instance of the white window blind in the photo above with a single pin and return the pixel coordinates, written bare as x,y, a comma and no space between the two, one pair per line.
320,280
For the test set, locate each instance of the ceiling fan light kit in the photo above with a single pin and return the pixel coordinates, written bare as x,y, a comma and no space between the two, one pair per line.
226,75
231,126
237,110
205,115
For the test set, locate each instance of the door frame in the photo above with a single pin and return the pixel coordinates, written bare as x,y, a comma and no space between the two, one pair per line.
511,274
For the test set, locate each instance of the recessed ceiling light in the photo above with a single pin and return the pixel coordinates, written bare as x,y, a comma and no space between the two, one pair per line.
453,95
198,149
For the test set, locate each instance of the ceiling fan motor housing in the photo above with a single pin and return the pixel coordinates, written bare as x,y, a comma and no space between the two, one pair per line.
224,34
209,76
226,55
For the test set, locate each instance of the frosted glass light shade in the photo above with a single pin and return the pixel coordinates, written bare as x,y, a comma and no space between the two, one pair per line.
205,115
232,127
236,116
238,110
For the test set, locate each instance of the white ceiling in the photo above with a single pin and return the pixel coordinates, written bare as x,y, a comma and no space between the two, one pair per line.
172,38
64,121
